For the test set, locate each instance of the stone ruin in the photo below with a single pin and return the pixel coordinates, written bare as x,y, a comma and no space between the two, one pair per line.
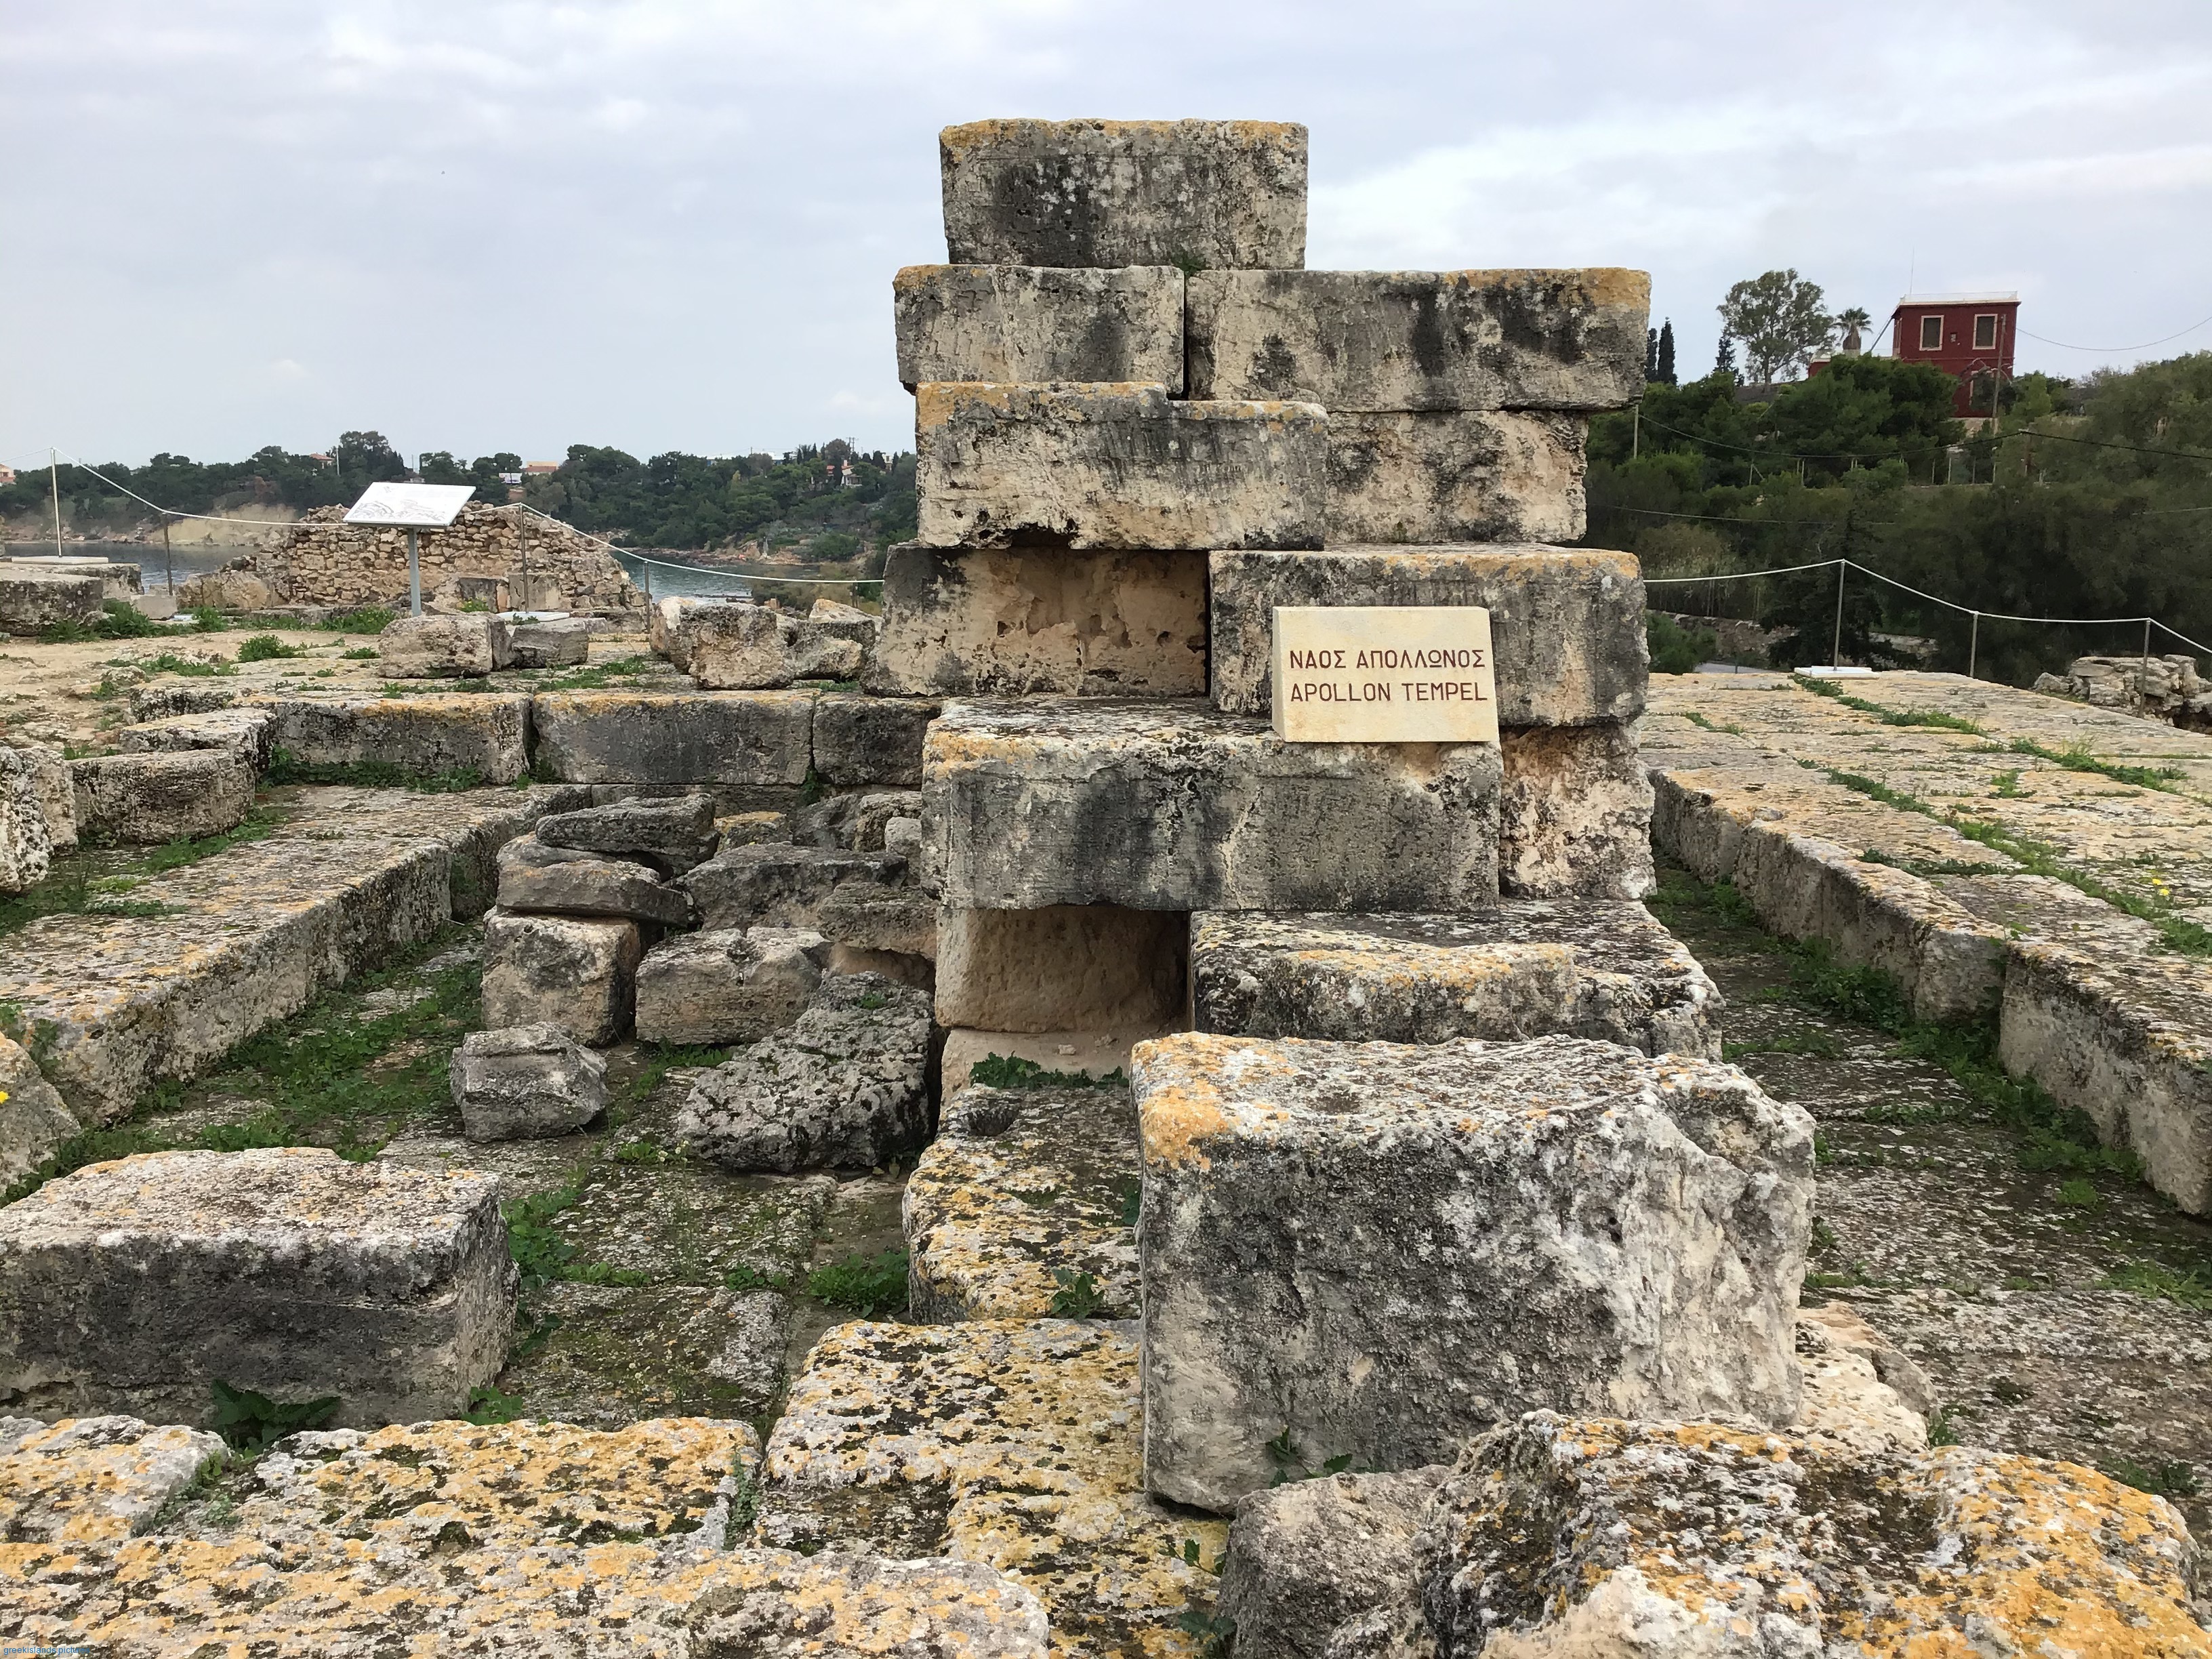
2166,688
1374,1257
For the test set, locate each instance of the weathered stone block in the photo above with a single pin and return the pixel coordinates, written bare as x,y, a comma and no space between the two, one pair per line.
560,881
32,601
642,737
870,740
33,1119
1170,806
1225,194
728,985
1566,626
846,1087
50,784
1034,323
1381,341
1311,1555
1003,464
1574,818
26,845
1381,1249
1014,621
441,647
1064,967
225,589
145,799
568,971
93,1481
735,647
1586,967
132,1285
856,822
858,899
673,835
536,641
1856,1387
481,732
524,1082
1444,477
247,734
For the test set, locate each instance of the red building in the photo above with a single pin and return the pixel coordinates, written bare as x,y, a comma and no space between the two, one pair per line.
1970,336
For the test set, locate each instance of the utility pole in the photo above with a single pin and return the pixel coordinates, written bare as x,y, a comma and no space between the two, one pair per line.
54,482
1973,643
1836,647
168,559
1636,430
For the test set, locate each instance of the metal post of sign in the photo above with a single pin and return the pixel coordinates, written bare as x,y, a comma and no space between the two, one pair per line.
168,558
411,506
2145,679
414,580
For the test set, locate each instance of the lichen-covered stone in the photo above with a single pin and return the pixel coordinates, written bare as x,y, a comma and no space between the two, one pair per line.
94,1479
1574,814
50,784
858,899
1059,969
133,1285
526,1081
33,1119
1381,1248
26,844
1011,1445
736,647
672,835
176,796
33,600
1168,805
1023,1191
575,972
1566,624
1388,340
870,741
1433,477
1223,194
560,881
1016,621
1313,1554
248,733
1553,1537
1115,465
845,1087
429,737
1586,967
1002,322
856,822
728,985
667,738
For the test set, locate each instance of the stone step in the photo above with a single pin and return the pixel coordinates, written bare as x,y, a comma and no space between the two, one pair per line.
484,732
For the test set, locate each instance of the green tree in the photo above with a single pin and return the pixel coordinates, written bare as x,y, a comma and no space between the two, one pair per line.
1666,362
1780,319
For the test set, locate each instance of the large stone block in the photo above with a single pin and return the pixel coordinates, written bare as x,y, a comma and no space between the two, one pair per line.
1310,1556
33,1119
26,844
1379,1249
1586,967
756,738
735,647
575,972
1036,323
858,899
1574,819
50,784
1220,194
728,985
32,601
562,881
426,737
1068,967
1171,807
525,1082
1016,621
248,733
1566,626
1116,466
134,1286
535,641
673,836
143,799
441,647
870,741
1444,477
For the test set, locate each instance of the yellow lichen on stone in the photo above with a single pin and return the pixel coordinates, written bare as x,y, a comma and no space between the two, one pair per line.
95,1479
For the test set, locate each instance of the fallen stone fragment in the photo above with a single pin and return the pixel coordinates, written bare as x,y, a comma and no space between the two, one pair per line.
32,601
559,881
735,647
26,844
753,829
1857,1388
728,985
534,641
1586,968
248,733
34,1121
228,589
93,1480
146,798
1443,478
1115,466
858,899
870,742
1101,194
439,647
570,971
1447,340
813,658
665,737
1064,967
1007,322
846,1087
673,835
855,823
524,1082
50,783
135,1285
1313,1554
1378,1249
1574,814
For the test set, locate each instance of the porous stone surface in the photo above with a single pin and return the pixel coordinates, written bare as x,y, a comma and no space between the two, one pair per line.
1224,194
671,835
542,641
1060,967
1574,814
1566,624
1315,1553
525,1082
485,733
232,589
182,794
1004,322
439,647
33,1119
845,1087
1016,621
132,1285
1012,1445
575,972
1433,477
858,899
1382,1249
26,844
870,741
1858,1387
665,737
31,600
91,1480
727,984
1168,805
248,733
1022,1190
1556,1537
561,881
49,785
736,647
1388,340
542,564
1115,465
1586,967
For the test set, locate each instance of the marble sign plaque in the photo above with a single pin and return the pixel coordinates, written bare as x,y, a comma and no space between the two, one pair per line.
1382,673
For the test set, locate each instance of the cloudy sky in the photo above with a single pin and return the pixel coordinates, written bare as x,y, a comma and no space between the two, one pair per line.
672,224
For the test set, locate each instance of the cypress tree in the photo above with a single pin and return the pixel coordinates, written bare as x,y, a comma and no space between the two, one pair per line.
1665,353
1650,355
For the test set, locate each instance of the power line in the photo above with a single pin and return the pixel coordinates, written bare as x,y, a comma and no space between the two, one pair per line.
1791,455
2145,346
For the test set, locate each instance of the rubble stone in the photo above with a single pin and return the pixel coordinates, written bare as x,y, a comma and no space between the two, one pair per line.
1379,1249
1002,322
31,600
535,640
1111,466
1163,805
728,985
1431,478
52,787
33,1119
1388,340
248,733
426,737
544,564
26,844
735,647
662,738
1313,1554
1566,624
525,1082
145,799
1227,195
862,742
846,1087
1016,621
860,899
1857,1387
573,972
133,1285
560,881
235,590
1068,966
674,835
1586,967
1574,816
439,647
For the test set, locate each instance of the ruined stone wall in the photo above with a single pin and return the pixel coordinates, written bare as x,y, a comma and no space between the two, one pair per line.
322,561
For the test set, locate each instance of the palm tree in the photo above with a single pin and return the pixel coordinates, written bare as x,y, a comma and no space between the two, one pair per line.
1851,322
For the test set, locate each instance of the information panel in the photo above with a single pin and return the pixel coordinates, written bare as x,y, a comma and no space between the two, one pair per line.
1384,674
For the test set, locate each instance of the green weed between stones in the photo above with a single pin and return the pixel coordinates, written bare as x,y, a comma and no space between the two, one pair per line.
1079,1296
267,647
1929,717
597,678
285,767
94,882
2167,1478
2155,1279
871,1287
999,1072
252,1422
118,620
190,667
